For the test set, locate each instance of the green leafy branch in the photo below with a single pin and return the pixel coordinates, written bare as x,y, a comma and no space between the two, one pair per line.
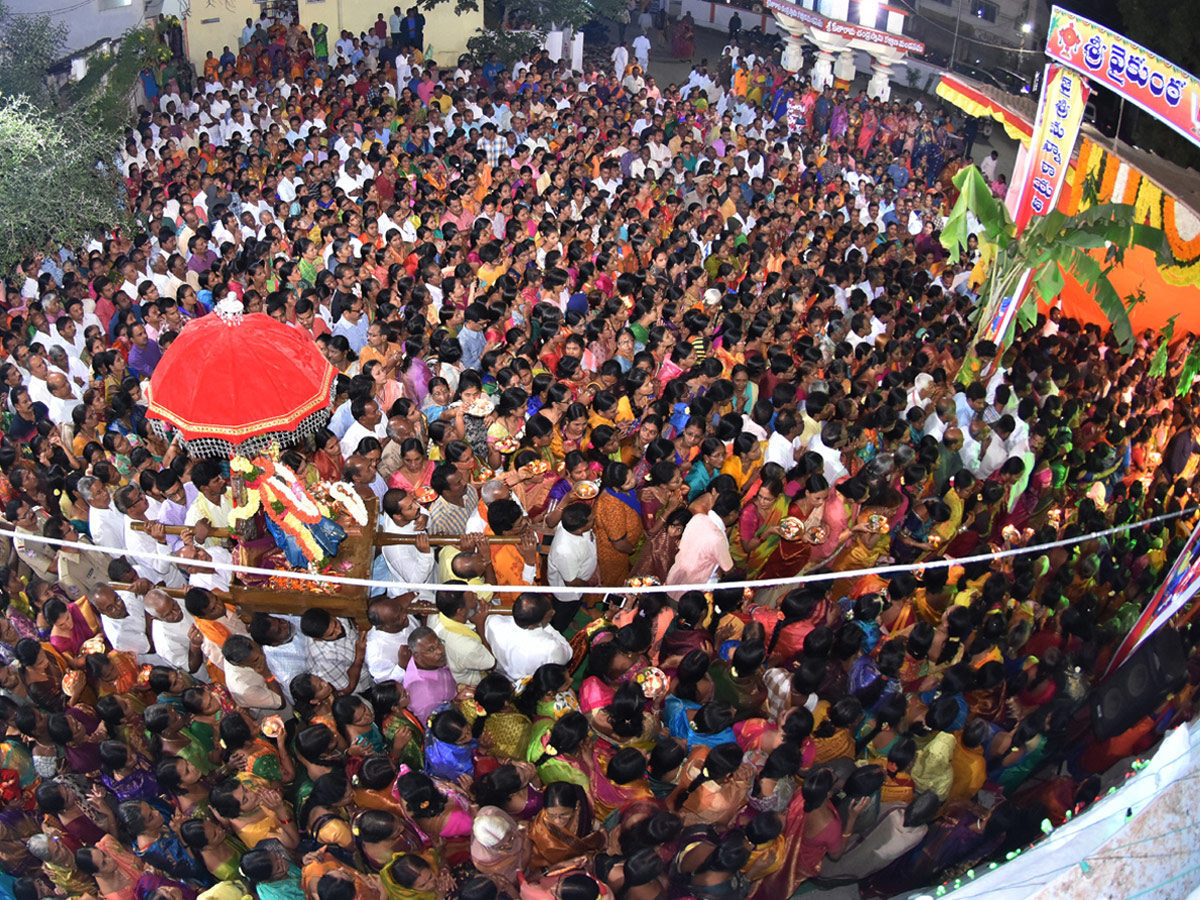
1048,247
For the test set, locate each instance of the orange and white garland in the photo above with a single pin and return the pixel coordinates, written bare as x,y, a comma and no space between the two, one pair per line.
345,494
274,488
1119,182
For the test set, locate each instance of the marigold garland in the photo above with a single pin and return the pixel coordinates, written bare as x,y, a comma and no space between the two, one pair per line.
1148,206
1184,250
1108,178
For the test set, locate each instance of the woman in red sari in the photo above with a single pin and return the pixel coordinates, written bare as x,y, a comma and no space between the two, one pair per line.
811,507
813,830
328,458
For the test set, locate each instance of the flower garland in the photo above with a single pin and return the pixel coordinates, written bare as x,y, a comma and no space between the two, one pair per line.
288,491
274,488
1120,182
350,500
1179,221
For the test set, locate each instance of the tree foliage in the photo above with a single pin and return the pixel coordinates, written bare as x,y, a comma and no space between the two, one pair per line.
29,45
51,186
544,15
509,46
1088,245
58,175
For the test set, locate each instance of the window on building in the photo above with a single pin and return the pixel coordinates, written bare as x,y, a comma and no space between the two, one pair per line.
982,9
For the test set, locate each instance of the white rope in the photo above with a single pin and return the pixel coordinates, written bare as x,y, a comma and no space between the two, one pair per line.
584,589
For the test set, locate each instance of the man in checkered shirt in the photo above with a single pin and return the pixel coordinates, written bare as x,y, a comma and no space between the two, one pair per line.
492,144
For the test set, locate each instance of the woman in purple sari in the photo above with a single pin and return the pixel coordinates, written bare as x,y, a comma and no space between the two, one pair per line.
839,122
414,372
128,774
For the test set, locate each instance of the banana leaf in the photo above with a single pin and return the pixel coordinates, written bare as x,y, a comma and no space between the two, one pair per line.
1158,365
1191,368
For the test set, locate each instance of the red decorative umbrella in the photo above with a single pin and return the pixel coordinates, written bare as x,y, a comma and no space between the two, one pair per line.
236,384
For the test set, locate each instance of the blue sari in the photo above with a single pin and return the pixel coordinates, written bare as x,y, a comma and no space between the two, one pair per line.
169,855
448,761
675,714
629,498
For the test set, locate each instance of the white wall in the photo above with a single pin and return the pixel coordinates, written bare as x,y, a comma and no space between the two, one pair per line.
445,32
87,23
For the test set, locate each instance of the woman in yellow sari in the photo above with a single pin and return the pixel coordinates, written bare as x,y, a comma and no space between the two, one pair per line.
870,540
745,461
758,532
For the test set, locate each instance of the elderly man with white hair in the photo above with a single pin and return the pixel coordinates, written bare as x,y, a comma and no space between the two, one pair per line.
173,633
105,523
489,493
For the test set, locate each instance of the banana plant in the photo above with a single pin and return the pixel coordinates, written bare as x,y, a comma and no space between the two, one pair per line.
1089,245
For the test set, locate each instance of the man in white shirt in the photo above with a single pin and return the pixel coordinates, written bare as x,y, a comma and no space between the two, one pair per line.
141,544
123,618
286,187
526,641
983,452
946,417
781,445
988,166
249,680
387,652
461,621
641,49
620,59
407,563
828,445
368,422
1013,435
572,561
173,633
283,646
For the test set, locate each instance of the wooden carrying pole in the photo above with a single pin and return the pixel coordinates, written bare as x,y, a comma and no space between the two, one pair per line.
384,539
381,539
180,529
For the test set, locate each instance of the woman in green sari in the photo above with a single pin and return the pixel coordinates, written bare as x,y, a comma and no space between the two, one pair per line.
412,877
320,39
220,849
310,261
403,734
758,532
254,755
171,731
559,749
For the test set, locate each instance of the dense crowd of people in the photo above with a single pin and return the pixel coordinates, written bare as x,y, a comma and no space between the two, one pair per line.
684,337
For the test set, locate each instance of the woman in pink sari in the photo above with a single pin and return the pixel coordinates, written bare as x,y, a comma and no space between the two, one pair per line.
813,830
617,780
911,126
69,628
870,125
416,468
414,373
841,511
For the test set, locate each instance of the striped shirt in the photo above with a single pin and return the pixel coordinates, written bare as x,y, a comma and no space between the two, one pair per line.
448,519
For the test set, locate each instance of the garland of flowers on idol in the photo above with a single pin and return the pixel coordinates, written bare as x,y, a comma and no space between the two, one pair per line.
350,501
275,488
